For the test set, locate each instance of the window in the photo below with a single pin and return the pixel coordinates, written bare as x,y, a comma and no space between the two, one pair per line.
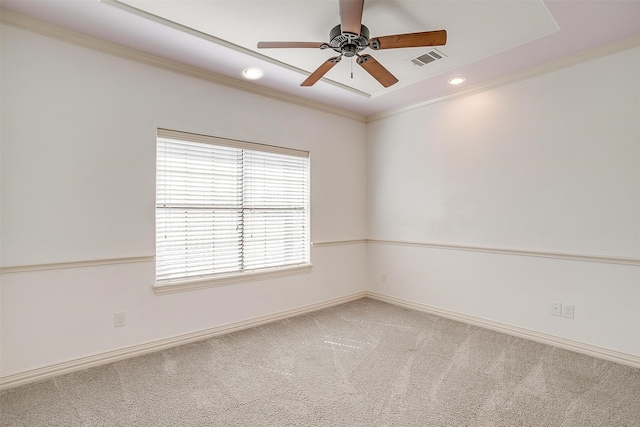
227,207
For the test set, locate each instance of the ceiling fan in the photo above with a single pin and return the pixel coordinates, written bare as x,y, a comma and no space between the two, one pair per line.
351,37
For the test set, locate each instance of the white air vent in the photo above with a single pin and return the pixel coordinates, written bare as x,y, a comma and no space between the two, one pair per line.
432,55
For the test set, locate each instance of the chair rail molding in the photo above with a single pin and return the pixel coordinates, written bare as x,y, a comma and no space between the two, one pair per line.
607,259
74,264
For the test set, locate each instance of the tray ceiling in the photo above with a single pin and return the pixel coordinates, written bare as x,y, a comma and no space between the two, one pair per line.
476,30
489,42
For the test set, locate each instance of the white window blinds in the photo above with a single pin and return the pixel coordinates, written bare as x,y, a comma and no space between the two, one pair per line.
226,206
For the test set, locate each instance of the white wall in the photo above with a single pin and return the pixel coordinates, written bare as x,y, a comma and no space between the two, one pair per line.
78,183
549,164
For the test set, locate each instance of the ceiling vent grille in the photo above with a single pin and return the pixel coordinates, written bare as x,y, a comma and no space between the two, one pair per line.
432,55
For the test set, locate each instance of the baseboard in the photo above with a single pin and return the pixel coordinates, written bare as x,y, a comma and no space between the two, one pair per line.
565,343
39,374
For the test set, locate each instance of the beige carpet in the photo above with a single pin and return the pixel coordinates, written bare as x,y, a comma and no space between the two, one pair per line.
365,363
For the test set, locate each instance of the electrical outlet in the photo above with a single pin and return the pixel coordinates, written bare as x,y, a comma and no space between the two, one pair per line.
567,310
120,318
556,309
384,277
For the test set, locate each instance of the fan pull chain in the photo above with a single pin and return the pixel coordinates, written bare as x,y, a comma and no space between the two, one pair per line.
351,67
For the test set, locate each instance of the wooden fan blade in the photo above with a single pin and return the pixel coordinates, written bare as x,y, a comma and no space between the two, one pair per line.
279,45
377,71
427,38
321,71
351,16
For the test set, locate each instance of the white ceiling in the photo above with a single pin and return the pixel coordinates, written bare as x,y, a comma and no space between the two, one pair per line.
511,23
487,40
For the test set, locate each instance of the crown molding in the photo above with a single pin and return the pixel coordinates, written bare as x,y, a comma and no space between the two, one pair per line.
54,31
535,71
47,29
185,29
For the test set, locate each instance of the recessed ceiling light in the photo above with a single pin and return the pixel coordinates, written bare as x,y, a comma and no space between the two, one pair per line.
252,73
457,80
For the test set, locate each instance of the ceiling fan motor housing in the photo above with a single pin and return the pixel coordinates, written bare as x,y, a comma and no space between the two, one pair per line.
346,43
350,38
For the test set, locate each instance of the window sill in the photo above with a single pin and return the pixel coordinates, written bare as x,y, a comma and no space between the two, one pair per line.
229,279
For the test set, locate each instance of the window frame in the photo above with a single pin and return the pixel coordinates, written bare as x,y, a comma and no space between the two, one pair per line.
222,279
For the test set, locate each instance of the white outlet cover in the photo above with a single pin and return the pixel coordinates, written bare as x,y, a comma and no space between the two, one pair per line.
567,311
120,318
556,309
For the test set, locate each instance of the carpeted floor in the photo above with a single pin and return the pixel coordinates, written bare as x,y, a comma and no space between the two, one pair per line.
365,363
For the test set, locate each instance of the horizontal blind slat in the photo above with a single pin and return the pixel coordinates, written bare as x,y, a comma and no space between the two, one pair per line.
224,208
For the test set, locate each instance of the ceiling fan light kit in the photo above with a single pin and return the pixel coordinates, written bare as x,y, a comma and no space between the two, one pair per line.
352,37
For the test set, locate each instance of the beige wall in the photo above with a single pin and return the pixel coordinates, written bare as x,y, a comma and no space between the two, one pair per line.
550,164
546,165
78,184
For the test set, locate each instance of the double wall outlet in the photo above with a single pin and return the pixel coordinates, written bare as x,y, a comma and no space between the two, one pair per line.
560,309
